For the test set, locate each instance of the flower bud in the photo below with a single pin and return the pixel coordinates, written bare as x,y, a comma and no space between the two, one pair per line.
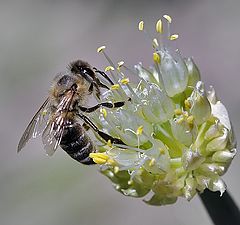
174,73
193,72
201,108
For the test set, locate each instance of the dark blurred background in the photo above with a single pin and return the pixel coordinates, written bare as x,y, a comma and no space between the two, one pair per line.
38,39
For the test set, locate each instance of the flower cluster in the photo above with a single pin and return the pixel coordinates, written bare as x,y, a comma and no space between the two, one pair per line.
178,139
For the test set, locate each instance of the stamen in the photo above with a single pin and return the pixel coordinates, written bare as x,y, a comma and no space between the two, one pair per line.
159,26
99,158
169,21
180,120
155,43
162,151
173,37
190,120
109,68
141,26
104,112
100,49
115,87
139,130
120,64
116,169
168,18
152,162
178,112
125,81
156,58
130,182
109,143
187,104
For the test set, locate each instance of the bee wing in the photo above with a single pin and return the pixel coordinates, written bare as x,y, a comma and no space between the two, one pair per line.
36,125
52,135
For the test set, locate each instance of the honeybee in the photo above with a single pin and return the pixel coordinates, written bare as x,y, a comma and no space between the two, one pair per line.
57,120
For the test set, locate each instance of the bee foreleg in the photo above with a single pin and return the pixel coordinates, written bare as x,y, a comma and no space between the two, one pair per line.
104,136
104,75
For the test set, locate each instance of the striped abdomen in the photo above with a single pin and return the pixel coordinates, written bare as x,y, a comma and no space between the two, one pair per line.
77,143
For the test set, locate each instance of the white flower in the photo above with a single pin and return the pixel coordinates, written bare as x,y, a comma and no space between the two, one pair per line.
178,137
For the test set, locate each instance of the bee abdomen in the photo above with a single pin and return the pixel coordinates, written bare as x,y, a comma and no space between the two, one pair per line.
77,144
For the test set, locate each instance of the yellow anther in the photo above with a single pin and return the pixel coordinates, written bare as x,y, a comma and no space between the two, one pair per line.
125,81
162,151
99,158
109,143
185,114
173,37
116,169
168,18
115,87
99,161
187,104
109,68
130,182
104,112
120,63
100,49
156,58
190,119
141,25
178,112
111,162
155,43
152,162
159,26
139,130
180,120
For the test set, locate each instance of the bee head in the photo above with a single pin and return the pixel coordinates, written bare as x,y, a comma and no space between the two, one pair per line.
83,69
